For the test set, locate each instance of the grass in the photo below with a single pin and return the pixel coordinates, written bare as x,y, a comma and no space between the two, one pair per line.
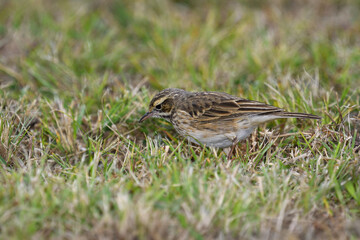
75,77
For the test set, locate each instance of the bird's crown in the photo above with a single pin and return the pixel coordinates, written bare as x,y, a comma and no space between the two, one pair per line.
165,98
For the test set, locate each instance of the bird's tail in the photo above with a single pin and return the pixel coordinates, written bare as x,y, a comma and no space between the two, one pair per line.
296,115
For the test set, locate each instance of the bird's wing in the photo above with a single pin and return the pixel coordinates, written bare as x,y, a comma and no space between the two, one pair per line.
210,106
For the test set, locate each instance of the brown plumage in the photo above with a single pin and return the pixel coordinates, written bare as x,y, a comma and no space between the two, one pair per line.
214,118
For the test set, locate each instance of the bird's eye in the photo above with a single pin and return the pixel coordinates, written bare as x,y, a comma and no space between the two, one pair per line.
158,106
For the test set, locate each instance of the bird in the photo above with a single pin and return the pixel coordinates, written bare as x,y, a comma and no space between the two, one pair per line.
214,119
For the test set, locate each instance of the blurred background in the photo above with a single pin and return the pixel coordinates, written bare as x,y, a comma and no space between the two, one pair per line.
67,48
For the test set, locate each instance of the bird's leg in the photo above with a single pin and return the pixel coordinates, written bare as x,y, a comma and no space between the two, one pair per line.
230,153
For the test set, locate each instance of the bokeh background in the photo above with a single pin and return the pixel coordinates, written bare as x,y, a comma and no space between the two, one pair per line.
62,47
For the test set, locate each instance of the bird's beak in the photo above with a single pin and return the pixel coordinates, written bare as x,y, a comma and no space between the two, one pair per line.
146,116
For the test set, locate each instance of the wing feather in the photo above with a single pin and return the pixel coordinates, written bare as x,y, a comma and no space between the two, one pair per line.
209,106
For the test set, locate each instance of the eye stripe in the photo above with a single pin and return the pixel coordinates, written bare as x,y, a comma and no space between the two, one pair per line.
159,101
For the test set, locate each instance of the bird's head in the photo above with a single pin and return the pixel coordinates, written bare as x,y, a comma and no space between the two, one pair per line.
162,104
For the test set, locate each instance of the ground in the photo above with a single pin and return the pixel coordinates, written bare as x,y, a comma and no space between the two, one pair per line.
76,76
